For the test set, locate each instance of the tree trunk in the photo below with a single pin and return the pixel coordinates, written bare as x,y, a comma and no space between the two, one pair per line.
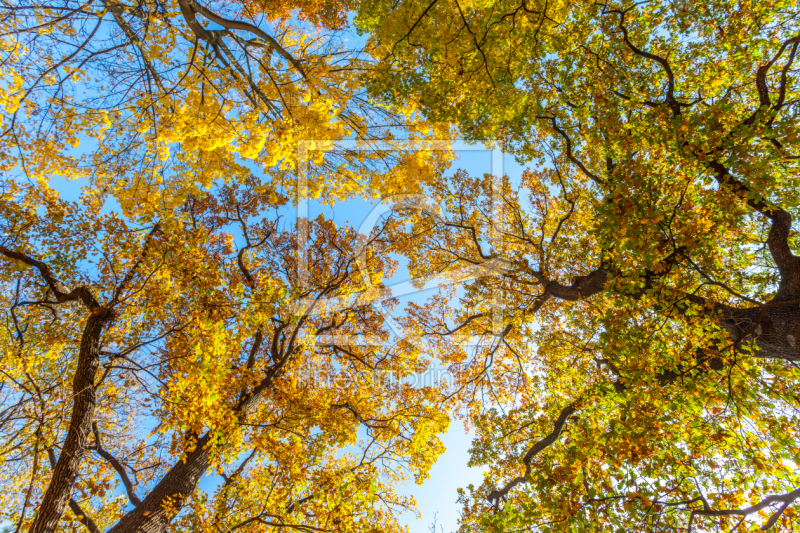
66,470
169,495
167,498
773,328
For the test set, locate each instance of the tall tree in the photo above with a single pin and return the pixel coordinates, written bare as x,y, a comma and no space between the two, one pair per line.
144,356
644,373
145,350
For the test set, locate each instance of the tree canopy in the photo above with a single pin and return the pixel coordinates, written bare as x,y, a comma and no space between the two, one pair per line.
144,349
637,304
650,282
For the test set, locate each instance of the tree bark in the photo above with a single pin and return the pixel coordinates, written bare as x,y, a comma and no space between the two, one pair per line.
66,470
168,496
774,328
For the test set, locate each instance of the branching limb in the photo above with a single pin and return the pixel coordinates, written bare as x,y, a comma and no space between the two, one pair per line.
558,427
581,287
778,238
116,11
126,281
411,30
239,469
670,98
764,99
571,156
61,291
189,7
117,466
785,499
66,470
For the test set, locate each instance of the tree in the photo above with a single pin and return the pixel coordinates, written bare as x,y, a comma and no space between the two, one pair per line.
238,366
644,373
154,101
144,349
640,326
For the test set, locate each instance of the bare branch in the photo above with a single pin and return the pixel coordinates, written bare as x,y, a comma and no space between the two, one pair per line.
117,466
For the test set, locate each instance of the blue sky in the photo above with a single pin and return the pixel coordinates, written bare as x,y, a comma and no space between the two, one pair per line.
436,497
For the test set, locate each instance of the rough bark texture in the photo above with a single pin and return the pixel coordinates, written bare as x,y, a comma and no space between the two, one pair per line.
83,518
153,515
788,264
773,328
66,470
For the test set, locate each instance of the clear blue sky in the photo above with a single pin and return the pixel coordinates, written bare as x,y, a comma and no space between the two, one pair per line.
436,496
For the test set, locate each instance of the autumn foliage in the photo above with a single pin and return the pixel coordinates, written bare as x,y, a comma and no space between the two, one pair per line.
621,323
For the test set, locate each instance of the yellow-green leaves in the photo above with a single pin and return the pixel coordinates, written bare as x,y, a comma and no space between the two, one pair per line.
644,251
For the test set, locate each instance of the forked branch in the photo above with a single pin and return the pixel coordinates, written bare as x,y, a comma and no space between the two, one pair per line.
116,465
558,427
61,291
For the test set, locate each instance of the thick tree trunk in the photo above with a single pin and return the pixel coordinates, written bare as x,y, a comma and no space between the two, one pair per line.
788,264
66,470
167,498
169,495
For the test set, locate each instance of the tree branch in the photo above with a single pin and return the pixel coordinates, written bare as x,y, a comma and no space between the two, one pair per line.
66,470
558,427
116,12
786,499
592,176
670,98
194,6
61,291
778,239
239,469
117,466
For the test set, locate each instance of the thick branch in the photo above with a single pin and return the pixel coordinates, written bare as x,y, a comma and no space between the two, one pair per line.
66,470
778,239
181,480
788,264
761,81
581,287
61,291
192,6
171,492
